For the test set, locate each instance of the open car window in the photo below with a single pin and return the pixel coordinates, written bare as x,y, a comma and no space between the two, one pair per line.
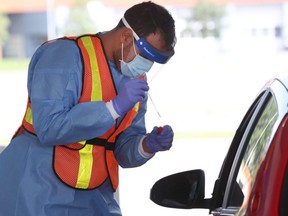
255,143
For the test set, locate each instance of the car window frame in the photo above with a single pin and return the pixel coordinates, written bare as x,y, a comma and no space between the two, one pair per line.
243,146
221,183
277,90
284,196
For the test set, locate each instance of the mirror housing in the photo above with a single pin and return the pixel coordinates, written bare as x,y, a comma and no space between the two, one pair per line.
183,190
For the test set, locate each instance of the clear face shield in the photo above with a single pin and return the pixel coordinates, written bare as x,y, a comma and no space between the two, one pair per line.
149,52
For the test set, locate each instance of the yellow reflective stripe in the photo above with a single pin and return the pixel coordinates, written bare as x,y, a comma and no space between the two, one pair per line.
96,93
82,142
85,167
136,106
28,116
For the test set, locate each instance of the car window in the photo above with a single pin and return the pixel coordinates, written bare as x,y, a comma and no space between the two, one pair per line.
257,145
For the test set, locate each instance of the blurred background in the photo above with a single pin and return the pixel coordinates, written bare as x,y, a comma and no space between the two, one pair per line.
226,51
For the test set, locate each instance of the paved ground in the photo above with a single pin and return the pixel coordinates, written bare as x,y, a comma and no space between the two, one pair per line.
186,154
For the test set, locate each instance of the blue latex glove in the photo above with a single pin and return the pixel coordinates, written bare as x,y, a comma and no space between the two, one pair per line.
130,93
159,139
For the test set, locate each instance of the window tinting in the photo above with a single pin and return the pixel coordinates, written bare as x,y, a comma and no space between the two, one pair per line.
255,152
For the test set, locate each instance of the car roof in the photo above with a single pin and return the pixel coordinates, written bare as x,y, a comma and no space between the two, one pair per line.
283,78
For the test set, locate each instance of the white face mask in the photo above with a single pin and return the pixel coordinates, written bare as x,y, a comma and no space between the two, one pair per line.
137,67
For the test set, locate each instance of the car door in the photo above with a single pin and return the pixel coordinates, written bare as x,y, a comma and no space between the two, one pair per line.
260,125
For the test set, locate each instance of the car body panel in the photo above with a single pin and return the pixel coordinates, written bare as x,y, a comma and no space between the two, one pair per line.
266,194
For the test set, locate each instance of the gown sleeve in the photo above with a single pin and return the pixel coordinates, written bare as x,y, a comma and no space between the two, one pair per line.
54,87
127,151
127,147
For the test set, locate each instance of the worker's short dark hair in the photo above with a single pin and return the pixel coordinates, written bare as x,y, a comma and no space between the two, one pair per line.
147,17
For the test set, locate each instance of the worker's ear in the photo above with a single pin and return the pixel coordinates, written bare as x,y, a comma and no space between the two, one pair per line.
126,36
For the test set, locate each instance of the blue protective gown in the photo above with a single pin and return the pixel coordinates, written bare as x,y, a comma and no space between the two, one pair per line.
28,185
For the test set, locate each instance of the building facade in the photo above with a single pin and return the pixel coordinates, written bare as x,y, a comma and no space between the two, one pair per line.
246,22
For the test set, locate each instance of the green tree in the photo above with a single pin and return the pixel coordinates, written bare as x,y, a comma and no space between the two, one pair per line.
4,25
206,19
78,21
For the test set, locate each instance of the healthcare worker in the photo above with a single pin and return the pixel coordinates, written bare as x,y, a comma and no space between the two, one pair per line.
87,99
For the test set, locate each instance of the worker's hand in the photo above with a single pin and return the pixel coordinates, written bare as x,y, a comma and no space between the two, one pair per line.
131,92
160,139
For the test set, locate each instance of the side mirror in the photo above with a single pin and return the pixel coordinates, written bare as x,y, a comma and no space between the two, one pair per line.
183,190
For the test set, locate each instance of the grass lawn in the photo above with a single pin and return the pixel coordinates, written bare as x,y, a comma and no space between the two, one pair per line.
17,65
200,135
205,134
14,65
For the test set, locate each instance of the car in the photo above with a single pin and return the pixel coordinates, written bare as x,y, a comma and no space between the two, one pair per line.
253,179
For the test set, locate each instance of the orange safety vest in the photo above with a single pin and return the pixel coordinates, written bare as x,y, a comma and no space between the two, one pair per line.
87,164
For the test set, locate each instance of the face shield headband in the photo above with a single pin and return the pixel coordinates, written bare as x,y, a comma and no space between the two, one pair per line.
147,50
